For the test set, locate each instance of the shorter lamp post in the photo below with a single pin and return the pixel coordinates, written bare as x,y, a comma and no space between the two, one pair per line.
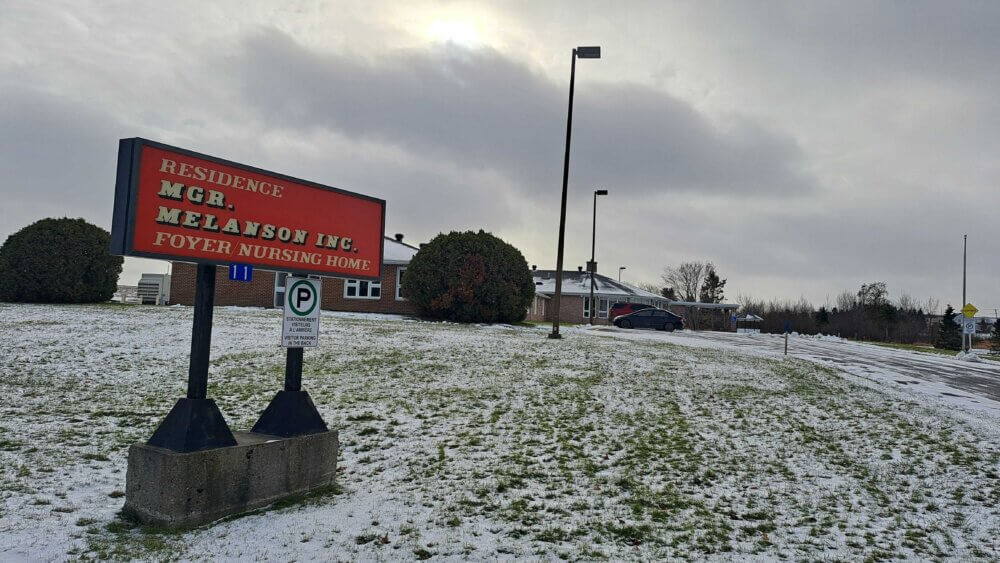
620,268
592,266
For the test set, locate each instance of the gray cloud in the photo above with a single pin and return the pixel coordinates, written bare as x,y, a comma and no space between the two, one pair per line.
483,110
55,158
803,147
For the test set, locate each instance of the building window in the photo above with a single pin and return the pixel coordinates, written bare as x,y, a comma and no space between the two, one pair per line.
602,308
399,283
362,289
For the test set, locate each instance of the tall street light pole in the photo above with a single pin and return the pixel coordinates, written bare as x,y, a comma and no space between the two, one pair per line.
592,266
583,53
965,246
620,268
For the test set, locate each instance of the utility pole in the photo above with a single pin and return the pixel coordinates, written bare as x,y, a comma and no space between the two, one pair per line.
965,245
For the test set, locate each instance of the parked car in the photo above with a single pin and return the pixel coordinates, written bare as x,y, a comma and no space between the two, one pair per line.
619,309
651,318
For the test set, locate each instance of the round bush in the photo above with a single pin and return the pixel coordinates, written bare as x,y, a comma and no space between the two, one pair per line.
58,261
471,278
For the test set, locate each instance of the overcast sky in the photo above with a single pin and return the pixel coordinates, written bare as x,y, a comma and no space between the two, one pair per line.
803,147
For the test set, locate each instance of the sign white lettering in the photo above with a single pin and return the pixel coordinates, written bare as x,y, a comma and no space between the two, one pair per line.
300,327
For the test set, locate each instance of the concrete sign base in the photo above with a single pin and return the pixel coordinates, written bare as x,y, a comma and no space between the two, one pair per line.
182,490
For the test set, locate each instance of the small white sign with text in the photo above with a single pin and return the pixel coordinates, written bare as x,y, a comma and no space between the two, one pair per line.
300,327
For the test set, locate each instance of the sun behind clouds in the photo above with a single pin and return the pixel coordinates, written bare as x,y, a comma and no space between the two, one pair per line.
462,33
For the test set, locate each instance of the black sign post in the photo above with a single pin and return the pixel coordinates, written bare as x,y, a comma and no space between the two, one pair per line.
196,423
293,369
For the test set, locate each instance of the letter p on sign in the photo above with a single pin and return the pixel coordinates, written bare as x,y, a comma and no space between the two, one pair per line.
302,297
300,326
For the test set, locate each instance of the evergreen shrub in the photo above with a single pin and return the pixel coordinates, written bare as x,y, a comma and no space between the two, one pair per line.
58,261
470,277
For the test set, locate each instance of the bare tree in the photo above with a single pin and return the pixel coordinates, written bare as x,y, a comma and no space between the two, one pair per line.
846,301
931,308
750,305
686,279
908,303
650,287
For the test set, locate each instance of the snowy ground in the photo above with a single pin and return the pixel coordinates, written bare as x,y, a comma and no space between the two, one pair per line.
497,443
973,386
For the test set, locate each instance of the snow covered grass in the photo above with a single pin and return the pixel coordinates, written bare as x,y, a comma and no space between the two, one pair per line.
487,442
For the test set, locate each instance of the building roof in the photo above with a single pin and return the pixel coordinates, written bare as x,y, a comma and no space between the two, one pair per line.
578,283
397,252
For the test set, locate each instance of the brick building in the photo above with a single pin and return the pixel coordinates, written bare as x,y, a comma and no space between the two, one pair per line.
539,307
574,304
267,288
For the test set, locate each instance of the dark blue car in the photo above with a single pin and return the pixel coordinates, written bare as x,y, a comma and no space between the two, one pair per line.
651,318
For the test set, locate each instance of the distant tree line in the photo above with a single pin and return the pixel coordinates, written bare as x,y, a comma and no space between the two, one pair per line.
995,338
867,314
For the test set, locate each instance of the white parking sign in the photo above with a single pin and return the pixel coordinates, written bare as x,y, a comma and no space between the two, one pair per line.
300,327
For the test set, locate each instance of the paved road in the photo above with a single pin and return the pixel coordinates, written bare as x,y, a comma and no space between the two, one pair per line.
981,379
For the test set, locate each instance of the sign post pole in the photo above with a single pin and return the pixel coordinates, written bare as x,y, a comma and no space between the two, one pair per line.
968,325
196,423
201,332
293,369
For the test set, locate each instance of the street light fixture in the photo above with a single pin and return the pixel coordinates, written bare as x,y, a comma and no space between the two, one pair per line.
583,53
592,265
620,268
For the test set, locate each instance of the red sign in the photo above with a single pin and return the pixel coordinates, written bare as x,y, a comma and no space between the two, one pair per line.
175,204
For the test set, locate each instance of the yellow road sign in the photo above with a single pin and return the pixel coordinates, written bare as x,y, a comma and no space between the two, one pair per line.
969,310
